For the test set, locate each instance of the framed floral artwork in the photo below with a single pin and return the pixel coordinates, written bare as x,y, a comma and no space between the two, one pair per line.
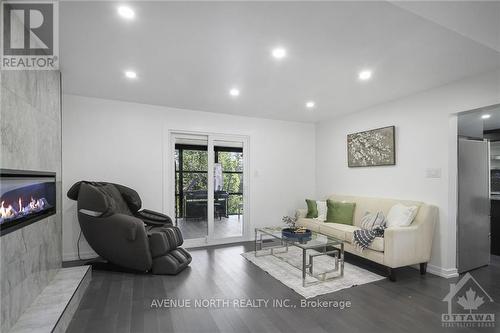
375,147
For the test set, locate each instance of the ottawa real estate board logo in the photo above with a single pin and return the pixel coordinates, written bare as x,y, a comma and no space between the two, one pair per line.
29,37
467,304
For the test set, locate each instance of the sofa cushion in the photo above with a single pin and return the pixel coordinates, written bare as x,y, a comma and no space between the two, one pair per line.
312,209
401,215
376,245
337,230
322,210
369,254
340,212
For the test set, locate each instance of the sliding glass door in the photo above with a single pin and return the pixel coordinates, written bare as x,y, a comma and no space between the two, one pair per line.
210,209
228,189
191,186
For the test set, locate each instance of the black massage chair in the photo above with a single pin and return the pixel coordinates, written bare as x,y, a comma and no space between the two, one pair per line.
118,231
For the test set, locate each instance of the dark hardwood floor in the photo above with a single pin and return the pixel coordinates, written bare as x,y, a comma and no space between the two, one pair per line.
121,302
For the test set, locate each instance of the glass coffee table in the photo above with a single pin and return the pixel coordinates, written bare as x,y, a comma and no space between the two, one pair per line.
322,245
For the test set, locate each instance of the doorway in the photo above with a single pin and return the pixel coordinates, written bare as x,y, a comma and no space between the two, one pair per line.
209,210
478,235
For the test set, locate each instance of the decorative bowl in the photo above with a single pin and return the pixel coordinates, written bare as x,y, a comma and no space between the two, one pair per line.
292,235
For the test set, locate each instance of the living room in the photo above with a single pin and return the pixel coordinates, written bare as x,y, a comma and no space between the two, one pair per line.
249,166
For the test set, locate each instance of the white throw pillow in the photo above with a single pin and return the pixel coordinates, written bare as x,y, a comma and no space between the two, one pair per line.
321,206
401,215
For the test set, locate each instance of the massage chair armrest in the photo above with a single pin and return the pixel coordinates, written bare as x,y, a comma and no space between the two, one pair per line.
153,218
119,238
116,225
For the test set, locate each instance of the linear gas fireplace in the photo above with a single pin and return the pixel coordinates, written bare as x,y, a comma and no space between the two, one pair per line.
26,197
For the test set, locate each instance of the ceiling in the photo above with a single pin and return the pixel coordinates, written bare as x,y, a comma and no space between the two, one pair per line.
190,54
485,118
492,123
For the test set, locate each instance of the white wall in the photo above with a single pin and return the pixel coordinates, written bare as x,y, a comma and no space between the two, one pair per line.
425,138
122,142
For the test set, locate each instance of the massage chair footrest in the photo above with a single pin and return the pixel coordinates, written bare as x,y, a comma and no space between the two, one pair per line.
168,257
171,263
163,240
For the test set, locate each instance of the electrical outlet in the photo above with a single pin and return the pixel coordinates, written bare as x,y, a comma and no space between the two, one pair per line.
433,173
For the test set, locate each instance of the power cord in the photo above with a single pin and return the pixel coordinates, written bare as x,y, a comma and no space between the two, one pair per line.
78,245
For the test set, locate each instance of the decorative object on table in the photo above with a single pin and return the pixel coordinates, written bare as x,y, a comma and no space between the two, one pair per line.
289,221
372,226
375,147
299,234
293,232
285,271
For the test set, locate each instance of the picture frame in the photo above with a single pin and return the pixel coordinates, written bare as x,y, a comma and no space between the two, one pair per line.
375,147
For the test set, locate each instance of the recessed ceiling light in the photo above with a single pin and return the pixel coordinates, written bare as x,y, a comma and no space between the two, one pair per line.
485,116
131,74
365,75
279,53
234,92
126,12
310,104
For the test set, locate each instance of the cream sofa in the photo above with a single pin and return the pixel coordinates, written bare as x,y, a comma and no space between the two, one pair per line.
400,246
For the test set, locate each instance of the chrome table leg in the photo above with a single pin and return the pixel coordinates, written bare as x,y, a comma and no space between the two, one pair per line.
304,267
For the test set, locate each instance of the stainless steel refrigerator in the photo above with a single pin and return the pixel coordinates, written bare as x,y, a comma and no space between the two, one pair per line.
473,222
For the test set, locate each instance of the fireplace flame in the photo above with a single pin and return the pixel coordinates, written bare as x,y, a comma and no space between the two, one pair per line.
34,205
7,212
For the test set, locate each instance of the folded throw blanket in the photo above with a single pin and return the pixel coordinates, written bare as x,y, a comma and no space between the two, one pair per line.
373,226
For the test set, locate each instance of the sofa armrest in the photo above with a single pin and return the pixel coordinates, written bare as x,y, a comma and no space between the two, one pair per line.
413,244
301,213
405,246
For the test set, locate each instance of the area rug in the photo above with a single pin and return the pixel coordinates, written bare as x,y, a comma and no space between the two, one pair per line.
291,276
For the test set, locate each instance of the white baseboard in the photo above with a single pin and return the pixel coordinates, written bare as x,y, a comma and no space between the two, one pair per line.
195,243
443,272
84,255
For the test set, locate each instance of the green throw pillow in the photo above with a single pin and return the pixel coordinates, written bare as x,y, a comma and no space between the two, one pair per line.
312,209
340,212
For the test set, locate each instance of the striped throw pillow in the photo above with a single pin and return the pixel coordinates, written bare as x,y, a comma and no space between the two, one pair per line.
371,221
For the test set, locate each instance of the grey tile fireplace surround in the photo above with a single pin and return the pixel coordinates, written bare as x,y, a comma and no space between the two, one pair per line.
30,105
